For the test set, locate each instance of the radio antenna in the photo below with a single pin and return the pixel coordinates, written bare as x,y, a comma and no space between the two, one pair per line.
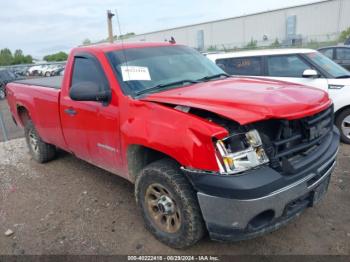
122,42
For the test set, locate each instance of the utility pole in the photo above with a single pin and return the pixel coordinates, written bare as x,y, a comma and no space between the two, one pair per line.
109,23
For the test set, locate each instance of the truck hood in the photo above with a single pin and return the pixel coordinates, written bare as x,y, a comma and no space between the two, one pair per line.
246,100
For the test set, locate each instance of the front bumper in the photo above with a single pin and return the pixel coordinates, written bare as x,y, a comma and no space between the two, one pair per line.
246,206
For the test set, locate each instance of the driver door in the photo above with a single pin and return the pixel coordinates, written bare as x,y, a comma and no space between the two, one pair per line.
91,129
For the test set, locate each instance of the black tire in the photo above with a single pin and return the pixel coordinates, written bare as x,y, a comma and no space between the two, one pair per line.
167,173
39,150
341,123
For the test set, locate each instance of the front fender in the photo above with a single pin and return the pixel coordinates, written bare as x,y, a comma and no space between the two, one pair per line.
182,136
340,98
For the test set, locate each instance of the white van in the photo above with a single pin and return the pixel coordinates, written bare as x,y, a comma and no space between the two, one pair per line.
303,66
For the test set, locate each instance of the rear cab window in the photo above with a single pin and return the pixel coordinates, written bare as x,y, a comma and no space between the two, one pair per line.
251,66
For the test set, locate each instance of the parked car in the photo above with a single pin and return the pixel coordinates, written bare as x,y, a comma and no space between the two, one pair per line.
236,157
48,70
21,71
339,54
34,70
58,70
302,66
6,76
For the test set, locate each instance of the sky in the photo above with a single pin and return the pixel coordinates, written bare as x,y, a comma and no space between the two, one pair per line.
41,27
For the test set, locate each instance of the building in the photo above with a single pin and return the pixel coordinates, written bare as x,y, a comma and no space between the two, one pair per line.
318,21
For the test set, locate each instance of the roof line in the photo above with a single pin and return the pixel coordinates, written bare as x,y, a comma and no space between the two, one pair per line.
235,17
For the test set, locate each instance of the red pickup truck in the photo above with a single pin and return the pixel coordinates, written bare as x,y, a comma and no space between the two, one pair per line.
235,157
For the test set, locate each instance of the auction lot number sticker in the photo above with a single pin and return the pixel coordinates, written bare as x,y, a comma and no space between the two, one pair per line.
130,73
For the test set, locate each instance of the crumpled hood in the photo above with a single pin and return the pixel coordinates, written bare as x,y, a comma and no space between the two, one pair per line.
247,100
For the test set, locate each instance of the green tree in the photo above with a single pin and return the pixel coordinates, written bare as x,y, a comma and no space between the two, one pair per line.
344,35
212,48
252,44
6,57
18,57
275,44
28,59
87,41
57,57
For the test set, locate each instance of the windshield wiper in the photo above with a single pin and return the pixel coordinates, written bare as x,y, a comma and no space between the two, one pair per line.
162,86
207,78
343,76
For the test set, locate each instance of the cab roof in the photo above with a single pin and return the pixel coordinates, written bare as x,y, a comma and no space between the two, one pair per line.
108,47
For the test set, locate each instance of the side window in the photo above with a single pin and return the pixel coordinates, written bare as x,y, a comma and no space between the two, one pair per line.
343,53
88,70
251,66
286,66
327,52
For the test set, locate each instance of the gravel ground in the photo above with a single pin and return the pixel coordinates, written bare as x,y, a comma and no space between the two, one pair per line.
70,207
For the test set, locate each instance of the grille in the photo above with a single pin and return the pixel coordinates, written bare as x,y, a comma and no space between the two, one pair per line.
287,143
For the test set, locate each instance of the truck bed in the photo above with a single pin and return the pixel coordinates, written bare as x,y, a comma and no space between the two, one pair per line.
51,82
40,97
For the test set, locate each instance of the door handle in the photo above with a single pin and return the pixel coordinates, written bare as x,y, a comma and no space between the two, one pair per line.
70,111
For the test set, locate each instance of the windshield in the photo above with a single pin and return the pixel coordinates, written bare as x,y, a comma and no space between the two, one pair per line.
332,68
159,68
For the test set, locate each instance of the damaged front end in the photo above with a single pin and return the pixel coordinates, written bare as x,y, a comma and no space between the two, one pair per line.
268,173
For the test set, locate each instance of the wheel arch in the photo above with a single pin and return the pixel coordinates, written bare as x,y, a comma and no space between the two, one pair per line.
339,111
23,114
139,156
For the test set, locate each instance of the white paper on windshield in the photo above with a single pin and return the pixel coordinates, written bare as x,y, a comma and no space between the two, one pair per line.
130,73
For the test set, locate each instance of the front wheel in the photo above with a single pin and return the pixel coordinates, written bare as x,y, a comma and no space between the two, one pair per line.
169,204
343,123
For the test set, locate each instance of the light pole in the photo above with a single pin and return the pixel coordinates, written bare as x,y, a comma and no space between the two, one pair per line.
109,23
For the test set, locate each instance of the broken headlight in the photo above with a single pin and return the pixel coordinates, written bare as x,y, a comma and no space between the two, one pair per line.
240,152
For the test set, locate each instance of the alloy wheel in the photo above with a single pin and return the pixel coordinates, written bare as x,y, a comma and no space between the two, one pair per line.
162,208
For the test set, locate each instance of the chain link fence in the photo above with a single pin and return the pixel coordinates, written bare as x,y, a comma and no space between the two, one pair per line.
8,129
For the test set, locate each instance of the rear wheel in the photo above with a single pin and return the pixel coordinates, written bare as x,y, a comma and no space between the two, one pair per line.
169,204
40,151
343,124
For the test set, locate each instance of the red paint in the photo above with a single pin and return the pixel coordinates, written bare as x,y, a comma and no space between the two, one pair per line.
126,121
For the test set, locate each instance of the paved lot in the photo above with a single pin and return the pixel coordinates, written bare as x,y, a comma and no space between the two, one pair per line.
70,207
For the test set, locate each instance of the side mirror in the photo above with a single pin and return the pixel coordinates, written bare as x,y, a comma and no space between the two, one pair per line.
89,91
310,73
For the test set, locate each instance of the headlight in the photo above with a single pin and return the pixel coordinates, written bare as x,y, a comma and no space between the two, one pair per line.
240,152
